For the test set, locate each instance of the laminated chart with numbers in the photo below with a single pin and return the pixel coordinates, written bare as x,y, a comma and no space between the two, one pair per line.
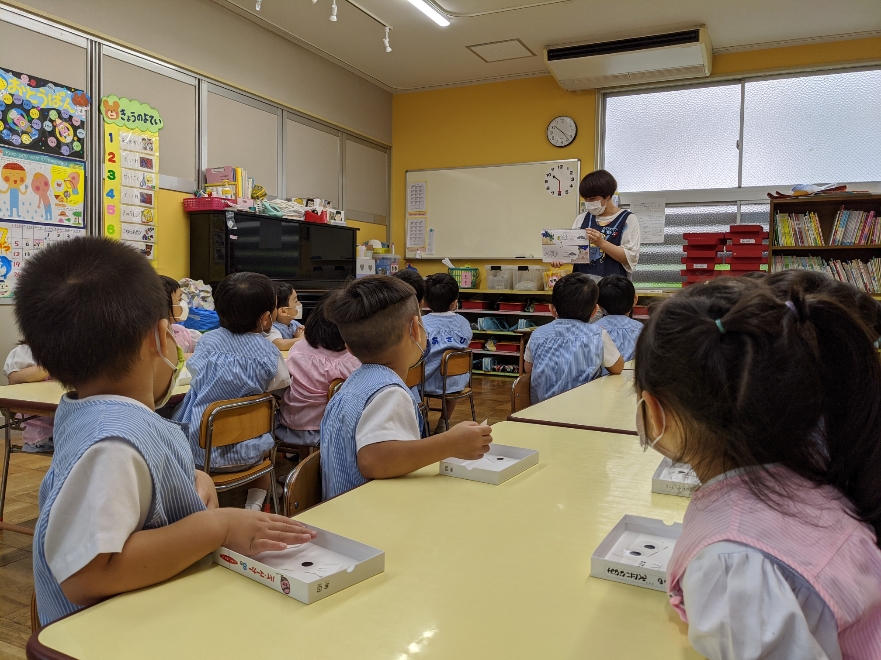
19,241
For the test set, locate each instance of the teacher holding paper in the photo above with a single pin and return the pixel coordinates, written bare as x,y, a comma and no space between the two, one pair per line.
613,232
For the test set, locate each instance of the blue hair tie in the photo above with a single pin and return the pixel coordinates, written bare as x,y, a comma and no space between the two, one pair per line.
719,325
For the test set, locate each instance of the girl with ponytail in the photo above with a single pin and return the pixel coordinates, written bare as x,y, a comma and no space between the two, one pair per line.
771,390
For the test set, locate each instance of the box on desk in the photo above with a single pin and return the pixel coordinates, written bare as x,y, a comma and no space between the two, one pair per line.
674,479
500,464
311,571
636,552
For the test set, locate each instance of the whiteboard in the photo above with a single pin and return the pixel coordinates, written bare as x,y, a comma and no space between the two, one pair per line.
495,212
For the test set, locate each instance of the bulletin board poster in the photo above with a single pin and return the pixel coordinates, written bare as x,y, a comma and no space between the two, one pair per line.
19,241
131,172
42,116
39,188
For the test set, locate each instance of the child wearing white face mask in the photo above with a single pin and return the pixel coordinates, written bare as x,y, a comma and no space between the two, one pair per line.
179,311
286,327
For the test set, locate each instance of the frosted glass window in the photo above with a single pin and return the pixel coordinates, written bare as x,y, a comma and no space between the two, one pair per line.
366,182
243,136
814,129
674,140
312,162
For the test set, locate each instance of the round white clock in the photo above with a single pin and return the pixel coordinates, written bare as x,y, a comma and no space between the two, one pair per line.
560,181
562,131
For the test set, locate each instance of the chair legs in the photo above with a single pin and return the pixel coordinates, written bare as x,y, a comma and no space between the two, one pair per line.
471,401
7,454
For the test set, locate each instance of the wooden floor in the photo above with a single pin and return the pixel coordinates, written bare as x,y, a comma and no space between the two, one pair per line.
492,401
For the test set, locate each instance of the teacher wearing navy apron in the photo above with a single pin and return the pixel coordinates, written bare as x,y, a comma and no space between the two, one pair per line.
613,232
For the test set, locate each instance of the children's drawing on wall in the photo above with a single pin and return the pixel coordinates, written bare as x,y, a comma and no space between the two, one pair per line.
39,188
19,241
42,116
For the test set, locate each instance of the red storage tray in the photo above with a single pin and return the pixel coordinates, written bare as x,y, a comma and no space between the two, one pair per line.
543,308
709,238
754,251
747,239
206,203
475,345
702,251
508,347
512,306
746,229
702,264
475,304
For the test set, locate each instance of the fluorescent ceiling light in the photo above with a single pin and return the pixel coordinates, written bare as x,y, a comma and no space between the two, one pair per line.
430,11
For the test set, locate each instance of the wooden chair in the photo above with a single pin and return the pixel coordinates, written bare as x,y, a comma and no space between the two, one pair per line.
416,378
520,397
453,363
232,421
35,617
302,489
334,387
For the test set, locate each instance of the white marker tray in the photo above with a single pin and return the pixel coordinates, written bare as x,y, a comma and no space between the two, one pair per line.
311,571
636,552
500,464
674,479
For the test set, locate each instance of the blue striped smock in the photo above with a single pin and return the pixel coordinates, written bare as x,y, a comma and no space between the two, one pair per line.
624,331
445,332
78,426
287,331
566,353
339,453
227,365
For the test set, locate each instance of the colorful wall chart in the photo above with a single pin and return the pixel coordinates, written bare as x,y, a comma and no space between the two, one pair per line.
42,116
131,172
39,188
18,241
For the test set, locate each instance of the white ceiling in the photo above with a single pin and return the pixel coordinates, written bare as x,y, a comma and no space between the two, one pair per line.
425,55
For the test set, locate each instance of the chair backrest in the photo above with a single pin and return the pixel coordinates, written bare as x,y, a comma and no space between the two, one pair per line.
456,363
334,387
231,421
520,394
302,489
35,617
416,375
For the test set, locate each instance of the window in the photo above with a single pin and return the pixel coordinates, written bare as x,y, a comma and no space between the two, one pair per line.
366,182
312,161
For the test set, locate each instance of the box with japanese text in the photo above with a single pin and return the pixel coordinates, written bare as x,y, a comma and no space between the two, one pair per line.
674,479
500,464
636,552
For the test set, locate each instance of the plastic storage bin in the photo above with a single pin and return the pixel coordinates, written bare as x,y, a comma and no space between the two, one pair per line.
512,306
529,278
475,304
466,277
499,277
386,264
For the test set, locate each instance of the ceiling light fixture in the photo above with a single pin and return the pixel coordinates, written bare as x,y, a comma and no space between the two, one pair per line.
388,47
333,11
430,11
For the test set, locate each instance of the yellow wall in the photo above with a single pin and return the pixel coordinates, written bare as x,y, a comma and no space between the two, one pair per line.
505,122
173,234
368,231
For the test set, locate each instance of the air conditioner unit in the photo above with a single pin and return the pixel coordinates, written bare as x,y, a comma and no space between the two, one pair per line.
644,59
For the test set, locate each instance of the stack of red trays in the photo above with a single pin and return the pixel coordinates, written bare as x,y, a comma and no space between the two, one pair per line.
748,248
701,256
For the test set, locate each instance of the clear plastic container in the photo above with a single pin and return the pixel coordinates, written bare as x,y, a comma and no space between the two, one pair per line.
386,264
500,277
529,278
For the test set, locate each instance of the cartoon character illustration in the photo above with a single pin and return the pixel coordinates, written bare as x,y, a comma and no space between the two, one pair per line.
5,268
147,216
18,120
14,176
285,585
40,185
5,289
111,110
74,178
63,131
80,99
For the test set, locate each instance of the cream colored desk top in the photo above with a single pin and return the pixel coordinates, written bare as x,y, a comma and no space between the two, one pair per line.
604,404
43,397
628,366
472,571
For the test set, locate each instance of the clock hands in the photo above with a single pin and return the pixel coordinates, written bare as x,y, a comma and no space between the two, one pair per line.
562,133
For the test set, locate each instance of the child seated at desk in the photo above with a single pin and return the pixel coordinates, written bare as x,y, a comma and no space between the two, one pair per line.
371,427
412,277
569,351
773,401
286,329
122,506
313,365
20,367
617,298
185,338
446,331
235,360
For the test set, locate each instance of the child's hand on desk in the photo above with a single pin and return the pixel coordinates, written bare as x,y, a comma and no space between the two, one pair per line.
251,532
469,440
207,491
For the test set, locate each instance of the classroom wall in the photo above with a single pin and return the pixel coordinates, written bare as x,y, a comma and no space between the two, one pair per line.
505,122
368,231
204,36
173,233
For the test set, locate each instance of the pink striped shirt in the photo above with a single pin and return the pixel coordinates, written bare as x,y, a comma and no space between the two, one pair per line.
836,554
312,371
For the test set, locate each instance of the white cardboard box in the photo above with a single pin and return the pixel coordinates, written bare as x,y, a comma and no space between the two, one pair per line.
311,571
364,267
674,479
500,464
636,552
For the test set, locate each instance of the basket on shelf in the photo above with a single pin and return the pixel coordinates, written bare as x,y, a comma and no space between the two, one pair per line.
466,277
206,203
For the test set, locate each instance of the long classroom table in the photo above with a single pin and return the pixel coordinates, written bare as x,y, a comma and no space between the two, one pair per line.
472,571
605,404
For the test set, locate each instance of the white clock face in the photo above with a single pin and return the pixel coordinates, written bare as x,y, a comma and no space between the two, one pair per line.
561,131
560,181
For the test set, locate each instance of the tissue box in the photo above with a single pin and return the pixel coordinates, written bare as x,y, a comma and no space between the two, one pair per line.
500,464
311,571
674,479
636,552
364,267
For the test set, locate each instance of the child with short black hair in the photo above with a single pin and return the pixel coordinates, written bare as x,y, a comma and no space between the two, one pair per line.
286,328
774,403
412,277
569,351
179,311
371,427
235,360
313,365
617,296
122,506
446,331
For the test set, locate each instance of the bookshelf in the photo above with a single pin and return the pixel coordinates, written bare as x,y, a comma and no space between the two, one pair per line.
826,208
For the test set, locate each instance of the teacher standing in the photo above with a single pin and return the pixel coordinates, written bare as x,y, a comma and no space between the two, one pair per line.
613,232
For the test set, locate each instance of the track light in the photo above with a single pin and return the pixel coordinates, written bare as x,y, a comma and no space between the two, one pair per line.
259,2
333,11
388,48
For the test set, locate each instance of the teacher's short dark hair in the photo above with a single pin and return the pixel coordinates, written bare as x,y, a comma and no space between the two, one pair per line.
616,295
241,299
92,283
575,297
598,184
441,291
